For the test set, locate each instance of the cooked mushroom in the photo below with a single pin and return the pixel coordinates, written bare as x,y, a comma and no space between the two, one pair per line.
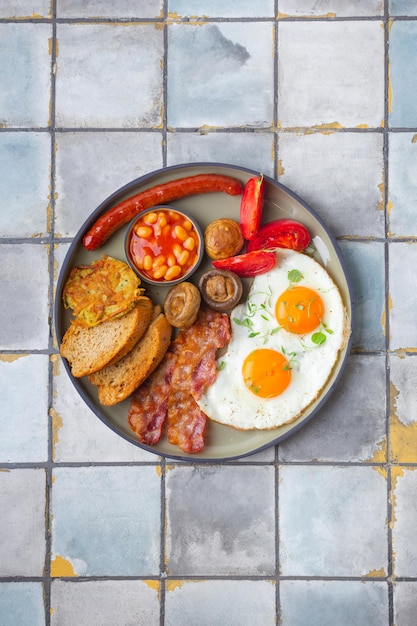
182,304
220,289
223,238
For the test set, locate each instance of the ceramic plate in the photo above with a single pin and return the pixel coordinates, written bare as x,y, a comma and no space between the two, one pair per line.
221,442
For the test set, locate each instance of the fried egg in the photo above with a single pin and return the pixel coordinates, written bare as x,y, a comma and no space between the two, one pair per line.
285,342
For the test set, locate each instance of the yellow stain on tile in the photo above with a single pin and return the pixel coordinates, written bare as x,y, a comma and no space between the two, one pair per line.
7,471
171,585
62,567
57,424
158,471
281,169
330,14
390,96
380,454
389,207
154,584
381,203
362,126
414,139
55,359
10,358
403,437
396,472
376,573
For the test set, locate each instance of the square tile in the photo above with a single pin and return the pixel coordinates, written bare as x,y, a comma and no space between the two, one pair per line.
340,175
402,172
235,64
405,603
101,83
332,521
318,68
403,74
25,184
90,166
25,75
231,532
22,603
330,8
351,425
368,291
404,498
402,7
105,603
79,436
24,271
25,8
402,280
106,521
252,150
22,522
403,421
109,9
218,8
227,602
23,422
330,602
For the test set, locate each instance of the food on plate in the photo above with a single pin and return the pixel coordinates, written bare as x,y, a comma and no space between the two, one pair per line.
164,245
221,290
251,206
248,264
102,290
170,394
116,382
281,233
125,211
285,342
88,350
181,304
223,238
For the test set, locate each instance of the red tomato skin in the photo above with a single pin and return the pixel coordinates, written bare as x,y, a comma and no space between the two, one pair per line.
248,264
281,233
251,206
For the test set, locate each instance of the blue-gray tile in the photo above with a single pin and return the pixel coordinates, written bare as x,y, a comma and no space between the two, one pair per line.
351,426
79,436
25,82
252,150
340,175
106,521
403,419
405,603
402,280
100,81
330,8
402,7
365,264
23,422
25,160
332,521
109,9
105,603
24,273
219,8
403,73
22,522
234,82
22,603
226,602
330,602
220,521
404,497
402,171
318,68
91,166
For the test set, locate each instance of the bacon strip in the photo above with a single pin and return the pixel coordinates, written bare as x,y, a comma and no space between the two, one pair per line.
171,391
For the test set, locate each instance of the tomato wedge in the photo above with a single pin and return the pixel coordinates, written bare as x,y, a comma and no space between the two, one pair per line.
251,206
281,233
248,264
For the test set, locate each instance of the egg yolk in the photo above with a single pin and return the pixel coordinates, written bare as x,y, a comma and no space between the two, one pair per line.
266,373
299,310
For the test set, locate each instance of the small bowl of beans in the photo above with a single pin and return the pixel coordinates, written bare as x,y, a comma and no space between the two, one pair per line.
164,246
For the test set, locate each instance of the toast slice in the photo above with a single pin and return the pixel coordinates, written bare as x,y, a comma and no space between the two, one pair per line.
116,382
90,349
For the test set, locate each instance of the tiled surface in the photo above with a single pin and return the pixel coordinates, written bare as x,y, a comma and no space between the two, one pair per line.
318,94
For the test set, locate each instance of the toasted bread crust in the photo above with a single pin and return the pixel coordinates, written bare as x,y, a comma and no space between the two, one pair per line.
116,382
90,349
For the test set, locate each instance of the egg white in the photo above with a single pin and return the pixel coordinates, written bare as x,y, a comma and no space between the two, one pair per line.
228,400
